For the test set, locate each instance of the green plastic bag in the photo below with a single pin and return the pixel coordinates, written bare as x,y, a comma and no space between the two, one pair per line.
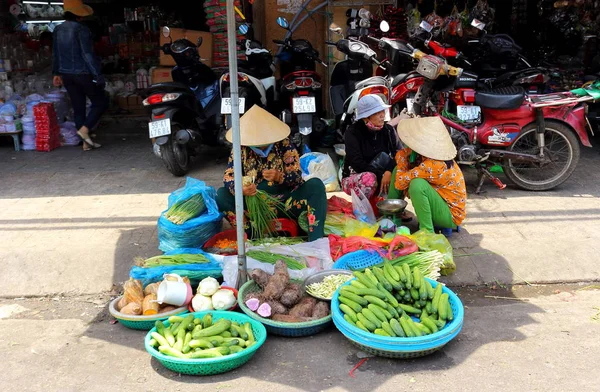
427,241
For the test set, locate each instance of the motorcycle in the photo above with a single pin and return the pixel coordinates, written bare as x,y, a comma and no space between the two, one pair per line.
185,112
535,138
301,86
256,80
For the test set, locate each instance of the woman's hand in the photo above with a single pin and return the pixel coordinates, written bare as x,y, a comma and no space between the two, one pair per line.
57,81
273,175
249,190
385,181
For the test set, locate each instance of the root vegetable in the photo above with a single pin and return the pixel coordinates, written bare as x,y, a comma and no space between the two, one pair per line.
264,310
133,292
292,294
122,302
132,308
167,308
150,306
260,277
277,282
152,288
304,308
253,304
286,318
256,295
321,310
277,307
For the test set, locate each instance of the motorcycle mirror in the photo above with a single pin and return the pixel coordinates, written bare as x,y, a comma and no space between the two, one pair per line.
479,25
334,28
364,13
243,29
384,26
199,43
166,32
282,22
426,26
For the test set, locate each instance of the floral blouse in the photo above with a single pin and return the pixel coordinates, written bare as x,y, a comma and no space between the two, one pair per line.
283,157
448,182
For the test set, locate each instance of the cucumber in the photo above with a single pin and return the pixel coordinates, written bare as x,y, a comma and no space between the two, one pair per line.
390,298
398,296
378,272
200,343
436,298
355,283
365,321
450,314
170,351
423,328
207,320
251,339
397,328
349,320
371,317
153,343
408,274
381,332
351,304
387,328
175,319
378,312
387,266
240,331
417,278
428,307
416,330
235,349
401,274
215,329
408,331
234,333
353,297
348,312
197,321
371,276
443,306
372,292
189,319
414,294
409,309
396,285
430,290
386,313
423,291
227,334
424,314
440,323
407,297
362,326
429,324
375,300
210,353
169,336
392,311
160,339
362,278
348,288
186,343
160,327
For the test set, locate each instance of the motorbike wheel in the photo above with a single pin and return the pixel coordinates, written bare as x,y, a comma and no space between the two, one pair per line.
175,156
562,147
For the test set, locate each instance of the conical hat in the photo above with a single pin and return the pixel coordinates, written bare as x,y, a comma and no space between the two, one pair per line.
76,7
259,127
428,137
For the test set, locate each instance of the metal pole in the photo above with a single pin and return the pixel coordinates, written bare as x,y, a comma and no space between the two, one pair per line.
237,151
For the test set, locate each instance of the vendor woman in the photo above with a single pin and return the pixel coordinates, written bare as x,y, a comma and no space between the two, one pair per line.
271,159
433,181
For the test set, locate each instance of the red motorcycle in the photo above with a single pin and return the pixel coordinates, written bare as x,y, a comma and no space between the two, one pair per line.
535,138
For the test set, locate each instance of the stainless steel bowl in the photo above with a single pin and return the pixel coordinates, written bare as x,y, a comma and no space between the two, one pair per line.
392,206
319,276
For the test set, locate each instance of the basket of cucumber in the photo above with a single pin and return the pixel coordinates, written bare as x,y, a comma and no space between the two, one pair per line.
205,343
395,312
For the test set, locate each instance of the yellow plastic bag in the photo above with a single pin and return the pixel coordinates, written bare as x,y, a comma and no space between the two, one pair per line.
427,241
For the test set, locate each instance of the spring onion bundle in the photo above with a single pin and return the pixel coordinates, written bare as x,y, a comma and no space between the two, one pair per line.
429,263
277,241
184,210
271,258
163,260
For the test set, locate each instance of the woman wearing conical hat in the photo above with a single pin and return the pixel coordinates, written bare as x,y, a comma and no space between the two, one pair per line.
432,180
273,162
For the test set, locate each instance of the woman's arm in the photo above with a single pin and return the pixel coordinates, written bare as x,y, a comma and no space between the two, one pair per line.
354,158
428,170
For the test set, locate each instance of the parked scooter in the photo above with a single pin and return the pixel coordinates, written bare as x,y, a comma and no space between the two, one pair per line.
185,112
301,86
535,138
256,82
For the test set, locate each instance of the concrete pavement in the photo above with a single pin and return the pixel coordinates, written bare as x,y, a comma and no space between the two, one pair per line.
72,222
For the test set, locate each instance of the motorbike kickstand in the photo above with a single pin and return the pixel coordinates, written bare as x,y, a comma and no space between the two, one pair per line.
484,173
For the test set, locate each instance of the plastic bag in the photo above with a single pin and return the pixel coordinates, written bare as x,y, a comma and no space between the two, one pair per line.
354,227
321,166
195,232
362,207
427,241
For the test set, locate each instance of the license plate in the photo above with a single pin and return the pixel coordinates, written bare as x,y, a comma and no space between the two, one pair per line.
159,128
226,105
468,113
304,105
410,104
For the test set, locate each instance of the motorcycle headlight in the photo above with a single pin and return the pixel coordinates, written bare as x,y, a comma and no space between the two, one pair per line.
430,67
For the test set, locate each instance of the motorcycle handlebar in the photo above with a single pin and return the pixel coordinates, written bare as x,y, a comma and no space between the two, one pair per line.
279,42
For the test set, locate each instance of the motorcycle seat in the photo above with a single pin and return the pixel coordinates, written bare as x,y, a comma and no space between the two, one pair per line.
402,77
510,97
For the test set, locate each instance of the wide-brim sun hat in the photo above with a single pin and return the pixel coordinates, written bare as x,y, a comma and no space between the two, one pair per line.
259,128
76,7
369,105
428,137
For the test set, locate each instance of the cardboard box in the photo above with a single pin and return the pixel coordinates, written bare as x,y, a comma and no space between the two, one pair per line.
205,50
131,103
161,75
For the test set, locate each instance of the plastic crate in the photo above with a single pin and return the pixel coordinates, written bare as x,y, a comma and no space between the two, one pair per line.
358,260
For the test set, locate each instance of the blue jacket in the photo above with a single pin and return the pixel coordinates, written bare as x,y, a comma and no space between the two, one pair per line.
73,52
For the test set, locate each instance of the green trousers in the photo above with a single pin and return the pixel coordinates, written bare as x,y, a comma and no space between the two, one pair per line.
431,209
309,197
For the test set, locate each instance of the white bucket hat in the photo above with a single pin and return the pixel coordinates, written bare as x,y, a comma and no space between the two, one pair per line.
427,136
369,105
259,128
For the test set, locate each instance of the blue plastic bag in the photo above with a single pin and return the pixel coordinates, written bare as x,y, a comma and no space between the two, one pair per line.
321,166
195,232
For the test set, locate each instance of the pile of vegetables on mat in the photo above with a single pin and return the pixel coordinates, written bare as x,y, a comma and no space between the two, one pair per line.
293,263
283,300
381,300
210,295
262,211
164,260
184,210
223,246
399,246
138,301
188,337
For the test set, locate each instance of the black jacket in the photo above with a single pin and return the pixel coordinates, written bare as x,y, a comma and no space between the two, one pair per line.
362,145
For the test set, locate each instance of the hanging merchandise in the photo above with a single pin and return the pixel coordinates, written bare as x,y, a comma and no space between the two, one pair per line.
454,23
396,17
413,20
484,13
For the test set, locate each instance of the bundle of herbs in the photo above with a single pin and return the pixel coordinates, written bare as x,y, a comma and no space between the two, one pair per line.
184,210
262,211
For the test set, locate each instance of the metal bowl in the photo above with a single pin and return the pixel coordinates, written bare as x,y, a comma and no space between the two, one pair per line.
392,206
319,276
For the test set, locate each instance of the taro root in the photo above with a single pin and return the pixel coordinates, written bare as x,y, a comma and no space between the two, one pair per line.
321,310
292,294
277,282
304,308
260,277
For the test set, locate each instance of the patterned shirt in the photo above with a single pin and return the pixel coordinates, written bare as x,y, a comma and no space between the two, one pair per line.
282,157
448,182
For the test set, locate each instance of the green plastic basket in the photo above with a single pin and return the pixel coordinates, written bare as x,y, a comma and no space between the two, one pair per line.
209,366
142,323
307,328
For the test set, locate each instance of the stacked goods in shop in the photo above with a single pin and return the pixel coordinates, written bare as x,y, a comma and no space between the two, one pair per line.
216,16
68,134
396,17
46,125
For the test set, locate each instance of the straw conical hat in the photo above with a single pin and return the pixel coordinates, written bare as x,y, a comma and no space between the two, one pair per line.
428,137
77,7
259,127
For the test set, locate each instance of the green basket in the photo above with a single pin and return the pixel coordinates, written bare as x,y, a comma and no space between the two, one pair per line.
306,328
209,366
142,323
